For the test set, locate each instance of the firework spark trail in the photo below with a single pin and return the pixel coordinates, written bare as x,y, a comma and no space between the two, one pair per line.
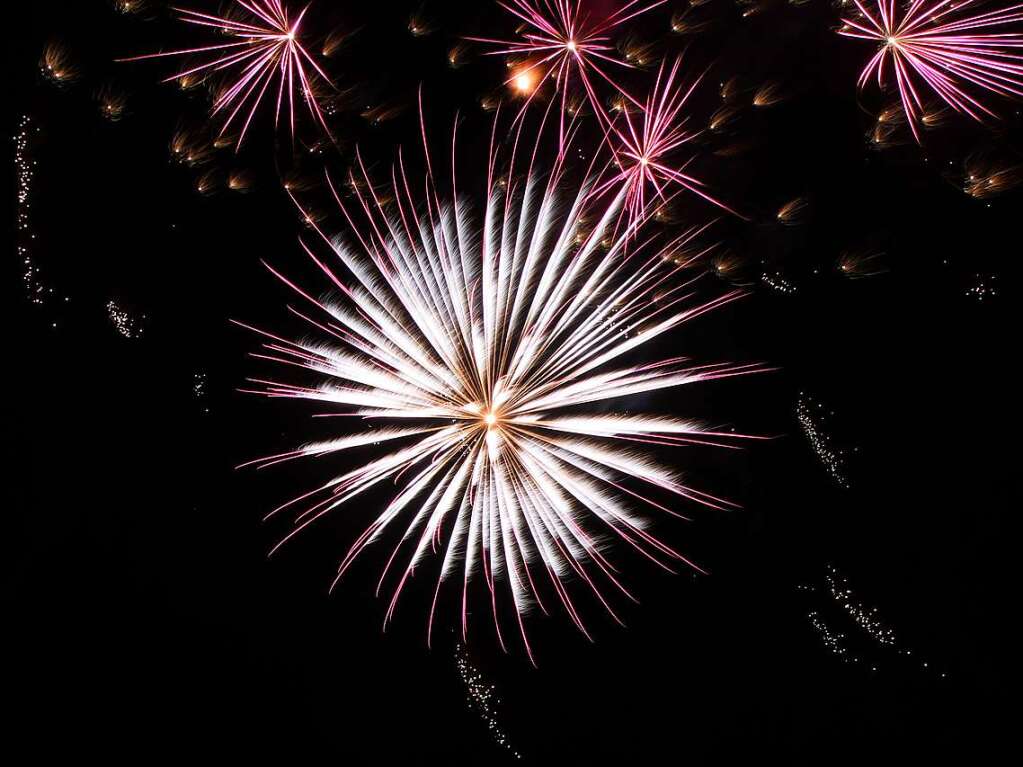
481,696
473,344
865,619
642,148
813,420
562,42
944,45
266,49
124,322
25,167
36,289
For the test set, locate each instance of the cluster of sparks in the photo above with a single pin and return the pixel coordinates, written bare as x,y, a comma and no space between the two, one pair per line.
124,322
811,416
25,168
483,345
865,621
267,58
481,697
835,641
776,282
950,47
984,287
199,389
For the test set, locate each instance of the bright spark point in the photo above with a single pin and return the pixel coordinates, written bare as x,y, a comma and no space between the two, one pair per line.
525,82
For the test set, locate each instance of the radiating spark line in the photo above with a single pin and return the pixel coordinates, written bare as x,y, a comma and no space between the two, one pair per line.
267,58
479,346
950,47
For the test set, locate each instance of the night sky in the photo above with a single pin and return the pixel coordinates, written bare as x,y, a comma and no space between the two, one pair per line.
856,607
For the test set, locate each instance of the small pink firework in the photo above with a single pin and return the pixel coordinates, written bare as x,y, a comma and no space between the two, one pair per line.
560,41
947,45
266,49
642,145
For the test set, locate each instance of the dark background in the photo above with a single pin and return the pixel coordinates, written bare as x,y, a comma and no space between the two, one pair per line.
141,615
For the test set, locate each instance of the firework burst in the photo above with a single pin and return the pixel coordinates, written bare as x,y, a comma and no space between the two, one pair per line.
57,65
266,57
475,352
643,144
949,47
561,42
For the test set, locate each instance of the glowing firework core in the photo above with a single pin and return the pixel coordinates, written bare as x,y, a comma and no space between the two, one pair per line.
525,81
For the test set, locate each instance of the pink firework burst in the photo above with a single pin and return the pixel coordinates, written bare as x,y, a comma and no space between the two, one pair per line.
642,147
562,42
265,57
947,46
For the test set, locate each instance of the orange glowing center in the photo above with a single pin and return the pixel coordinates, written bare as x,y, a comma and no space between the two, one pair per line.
525,82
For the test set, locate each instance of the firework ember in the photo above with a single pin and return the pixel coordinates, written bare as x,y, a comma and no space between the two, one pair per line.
56,64
267,58
472,349
949,47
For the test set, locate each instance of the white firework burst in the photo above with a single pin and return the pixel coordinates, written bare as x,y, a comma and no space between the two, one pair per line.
474,351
